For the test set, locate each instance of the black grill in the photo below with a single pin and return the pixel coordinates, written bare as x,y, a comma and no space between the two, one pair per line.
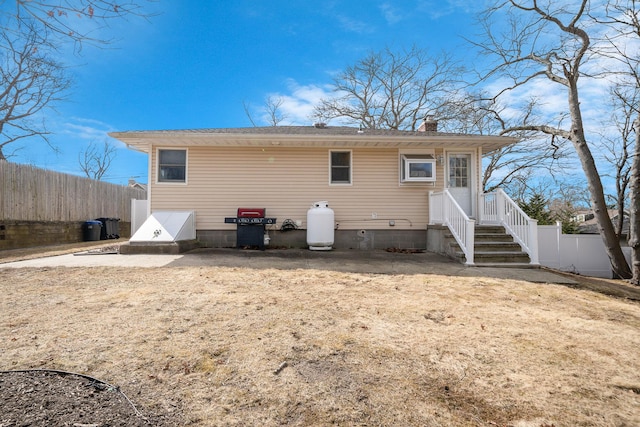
250,228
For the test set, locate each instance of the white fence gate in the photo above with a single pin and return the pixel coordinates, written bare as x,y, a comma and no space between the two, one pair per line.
577,253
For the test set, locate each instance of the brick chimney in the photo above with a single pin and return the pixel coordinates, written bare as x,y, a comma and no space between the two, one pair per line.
429,124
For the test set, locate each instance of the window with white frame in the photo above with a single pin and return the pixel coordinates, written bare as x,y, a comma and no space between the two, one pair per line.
340,167
418,168
172,165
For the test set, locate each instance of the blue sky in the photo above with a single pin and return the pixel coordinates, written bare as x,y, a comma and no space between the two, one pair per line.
198,61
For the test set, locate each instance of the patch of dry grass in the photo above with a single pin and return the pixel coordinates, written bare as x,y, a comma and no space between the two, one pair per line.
236,346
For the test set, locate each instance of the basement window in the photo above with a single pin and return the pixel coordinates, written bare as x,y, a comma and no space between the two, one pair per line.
172,166
418,168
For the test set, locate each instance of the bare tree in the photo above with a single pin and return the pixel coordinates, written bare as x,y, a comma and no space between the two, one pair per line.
533,156
271,111
247,111
550,41
394,90
563,190
475,114
30,82
96,160
634,217
74,20
622,17
390,90
617,147
556,199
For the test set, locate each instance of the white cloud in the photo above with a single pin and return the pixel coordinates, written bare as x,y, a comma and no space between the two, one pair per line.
436,9
391,14
297,106
354,25
82,128
83,131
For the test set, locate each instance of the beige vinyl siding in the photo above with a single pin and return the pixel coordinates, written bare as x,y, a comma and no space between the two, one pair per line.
286,181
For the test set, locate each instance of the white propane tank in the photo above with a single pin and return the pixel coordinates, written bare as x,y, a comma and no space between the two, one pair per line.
320,227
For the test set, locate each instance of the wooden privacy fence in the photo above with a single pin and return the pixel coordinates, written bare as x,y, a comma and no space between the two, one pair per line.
28,193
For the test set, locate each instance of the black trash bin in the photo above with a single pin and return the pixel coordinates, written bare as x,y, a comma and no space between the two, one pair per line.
91,230
110,228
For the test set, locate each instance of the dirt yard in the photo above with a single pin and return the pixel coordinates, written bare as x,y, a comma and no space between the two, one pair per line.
209,346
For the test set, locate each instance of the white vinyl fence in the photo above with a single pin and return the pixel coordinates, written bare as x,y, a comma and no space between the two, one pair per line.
577,253
139,214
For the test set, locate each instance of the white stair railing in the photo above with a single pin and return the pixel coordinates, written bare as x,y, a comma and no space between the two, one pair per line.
498,208
443,209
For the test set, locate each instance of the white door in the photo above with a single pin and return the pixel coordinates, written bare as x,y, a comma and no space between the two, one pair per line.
460,180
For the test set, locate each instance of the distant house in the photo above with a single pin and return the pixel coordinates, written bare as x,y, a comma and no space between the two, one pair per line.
378,182
587,223
583,216
134,184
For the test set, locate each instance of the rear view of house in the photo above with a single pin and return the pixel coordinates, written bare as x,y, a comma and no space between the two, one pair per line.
377,182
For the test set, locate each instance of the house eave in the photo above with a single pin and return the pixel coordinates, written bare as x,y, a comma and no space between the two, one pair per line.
144,140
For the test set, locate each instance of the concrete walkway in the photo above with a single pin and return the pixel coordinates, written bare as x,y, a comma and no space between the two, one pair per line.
375,262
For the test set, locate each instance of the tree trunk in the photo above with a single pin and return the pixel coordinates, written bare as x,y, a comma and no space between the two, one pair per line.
599,206
620,198
596,192
634,209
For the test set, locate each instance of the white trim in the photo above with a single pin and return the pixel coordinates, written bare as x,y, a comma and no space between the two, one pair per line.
203,137
342,184
150,180
405,162
417,151
472,176
479,190
186,166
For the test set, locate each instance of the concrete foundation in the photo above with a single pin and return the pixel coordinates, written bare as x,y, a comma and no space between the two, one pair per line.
439,240
364,239
163,248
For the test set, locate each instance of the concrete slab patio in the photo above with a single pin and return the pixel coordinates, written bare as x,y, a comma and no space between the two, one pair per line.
375,262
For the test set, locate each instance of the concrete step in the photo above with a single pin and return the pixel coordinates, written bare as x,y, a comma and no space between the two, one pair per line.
497,247
500,237
500,257
490,229
485,238
495,260
493,248
490,247
506,265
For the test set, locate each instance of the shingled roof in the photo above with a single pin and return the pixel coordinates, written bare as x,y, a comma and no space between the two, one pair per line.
294,130
308,136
